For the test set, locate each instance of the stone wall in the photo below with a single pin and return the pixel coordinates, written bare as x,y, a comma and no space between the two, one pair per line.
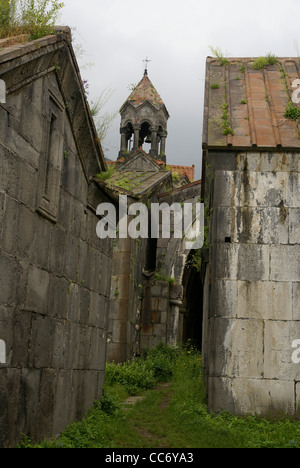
126,294
252,301
146,300
54,271
162,308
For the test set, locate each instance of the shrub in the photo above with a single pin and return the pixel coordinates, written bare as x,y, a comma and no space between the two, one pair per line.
108,404
39,16
5,6
143,373
134,376
160,361
7,16
34,17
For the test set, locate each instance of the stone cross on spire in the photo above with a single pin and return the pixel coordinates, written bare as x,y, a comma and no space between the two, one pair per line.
146,61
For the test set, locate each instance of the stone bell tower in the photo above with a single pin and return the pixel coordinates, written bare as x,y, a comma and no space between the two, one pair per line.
144,120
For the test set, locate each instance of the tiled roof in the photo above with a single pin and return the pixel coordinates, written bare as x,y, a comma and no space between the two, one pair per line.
245,107
188,171
143,92
133,183
181,189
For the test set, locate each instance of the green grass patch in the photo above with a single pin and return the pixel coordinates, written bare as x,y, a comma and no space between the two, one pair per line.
218,54
160,277
227,130
292,112
262,62
173,415
105,175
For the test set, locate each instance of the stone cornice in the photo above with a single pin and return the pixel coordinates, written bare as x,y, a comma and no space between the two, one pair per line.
23,63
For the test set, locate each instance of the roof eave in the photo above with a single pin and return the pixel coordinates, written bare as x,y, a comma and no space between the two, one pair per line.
63,56
253,148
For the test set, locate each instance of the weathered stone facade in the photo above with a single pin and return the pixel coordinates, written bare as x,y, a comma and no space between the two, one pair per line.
69,301
148,300
251,162
252,315
55,273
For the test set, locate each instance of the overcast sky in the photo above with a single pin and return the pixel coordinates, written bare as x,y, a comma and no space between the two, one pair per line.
175,35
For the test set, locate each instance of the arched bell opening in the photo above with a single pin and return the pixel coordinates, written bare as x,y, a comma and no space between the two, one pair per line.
127,138
145,137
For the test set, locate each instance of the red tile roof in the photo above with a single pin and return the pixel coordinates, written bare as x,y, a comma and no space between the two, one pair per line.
188,171
145,91
180,189
250,103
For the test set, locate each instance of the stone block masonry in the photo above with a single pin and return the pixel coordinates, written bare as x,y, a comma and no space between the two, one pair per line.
253,304
54,271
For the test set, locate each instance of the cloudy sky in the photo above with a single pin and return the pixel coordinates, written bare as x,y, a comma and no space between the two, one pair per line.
175,35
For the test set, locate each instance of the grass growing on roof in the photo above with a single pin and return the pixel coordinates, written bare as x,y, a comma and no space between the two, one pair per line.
218,54
34,17
292,112
227,130
105,175
262,62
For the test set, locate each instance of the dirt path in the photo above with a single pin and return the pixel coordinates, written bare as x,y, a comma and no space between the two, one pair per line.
151,436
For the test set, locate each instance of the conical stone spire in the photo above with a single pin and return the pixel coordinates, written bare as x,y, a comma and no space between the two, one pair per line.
145,91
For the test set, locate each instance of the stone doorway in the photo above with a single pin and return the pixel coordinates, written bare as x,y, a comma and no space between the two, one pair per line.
192,281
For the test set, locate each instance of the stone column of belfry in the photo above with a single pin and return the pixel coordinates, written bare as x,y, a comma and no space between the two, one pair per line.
136,129
154,149
124,142
163,137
